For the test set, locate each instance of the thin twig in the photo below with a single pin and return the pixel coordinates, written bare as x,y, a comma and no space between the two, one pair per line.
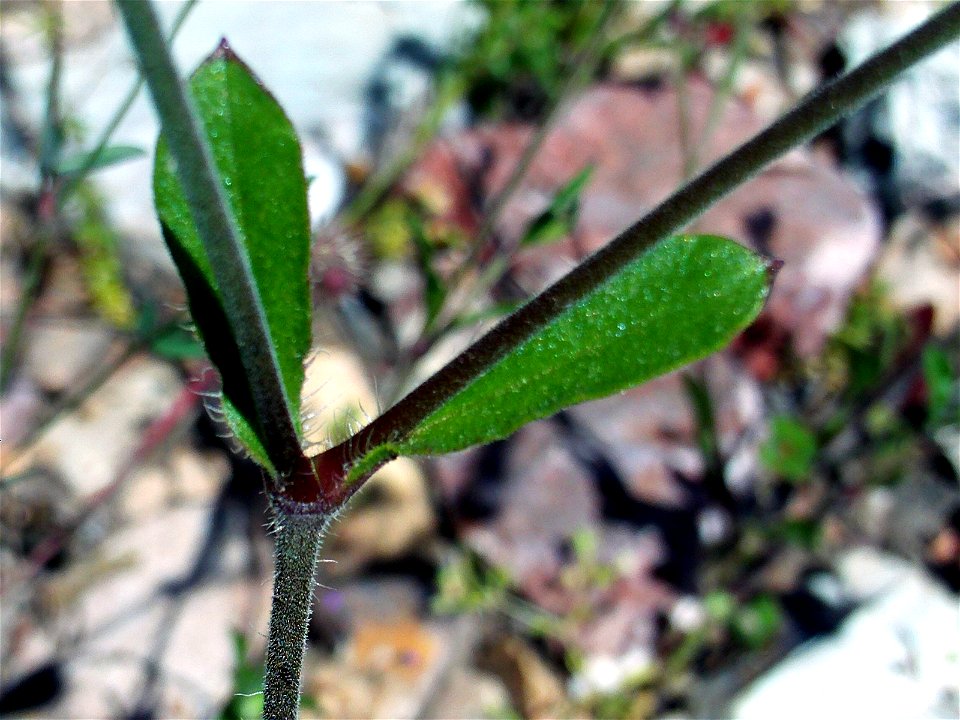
724,89
119,114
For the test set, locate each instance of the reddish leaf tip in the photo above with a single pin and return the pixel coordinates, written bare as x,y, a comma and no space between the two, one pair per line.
223,51
773,268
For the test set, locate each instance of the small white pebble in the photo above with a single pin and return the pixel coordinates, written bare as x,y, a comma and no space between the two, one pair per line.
687,614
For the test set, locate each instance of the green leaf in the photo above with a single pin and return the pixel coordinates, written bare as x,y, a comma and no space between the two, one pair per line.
434,290
790,450
494,312
941,381
177,344
681,300
558,220
110,155
758,622
100,262
258,160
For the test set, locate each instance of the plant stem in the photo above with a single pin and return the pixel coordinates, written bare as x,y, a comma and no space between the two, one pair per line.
818,111
724,88
450,90
51,143
118,115
205,196
298,543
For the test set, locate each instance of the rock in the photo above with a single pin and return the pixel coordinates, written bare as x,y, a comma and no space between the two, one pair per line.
519,503
20,407
915,119
395,521
15,227
894,657
650,430
605,675
397,514
390,668
124,621
471,693
89,446
64,292
919,266
337,398
546,497
59,355
535,689
182,476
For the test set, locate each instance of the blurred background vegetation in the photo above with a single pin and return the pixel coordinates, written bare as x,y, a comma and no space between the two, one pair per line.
455,209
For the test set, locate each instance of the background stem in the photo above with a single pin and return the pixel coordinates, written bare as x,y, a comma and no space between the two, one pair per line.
119,114
297,546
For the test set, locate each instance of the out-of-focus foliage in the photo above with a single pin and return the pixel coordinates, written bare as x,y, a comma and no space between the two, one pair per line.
100,262
517,63
790,450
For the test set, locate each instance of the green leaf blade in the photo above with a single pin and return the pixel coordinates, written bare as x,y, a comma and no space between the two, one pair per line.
681,300
108,156
560,217
258,160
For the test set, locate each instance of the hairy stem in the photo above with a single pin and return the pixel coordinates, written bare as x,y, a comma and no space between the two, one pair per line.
197,172
818,111
298,543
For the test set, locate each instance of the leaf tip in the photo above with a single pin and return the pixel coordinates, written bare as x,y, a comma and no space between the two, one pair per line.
773,268
223,51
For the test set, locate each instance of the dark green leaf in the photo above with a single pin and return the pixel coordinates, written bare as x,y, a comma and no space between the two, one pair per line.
177,344
110,155
258,159
434,290
681,300
941,382
559,219
498,310
790,450
757,623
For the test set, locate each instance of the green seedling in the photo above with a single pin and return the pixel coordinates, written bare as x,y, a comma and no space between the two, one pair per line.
231,197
